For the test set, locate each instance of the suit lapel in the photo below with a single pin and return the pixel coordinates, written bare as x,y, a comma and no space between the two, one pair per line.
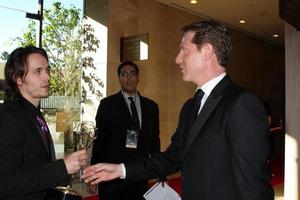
213,100
38,130
33,125
206,111
143,107
50,149
123,106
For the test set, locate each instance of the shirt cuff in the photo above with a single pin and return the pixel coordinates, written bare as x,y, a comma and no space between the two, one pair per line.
123,171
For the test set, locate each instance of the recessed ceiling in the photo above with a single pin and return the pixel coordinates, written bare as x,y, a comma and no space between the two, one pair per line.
261,16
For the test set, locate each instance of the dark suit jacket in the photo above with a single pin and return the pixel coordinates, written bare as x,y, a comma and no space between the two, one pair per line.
26,169
113,119
223,154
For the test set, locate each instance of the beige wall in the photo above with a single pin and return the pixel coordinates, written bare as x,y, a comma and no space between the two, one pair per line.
254,64
2,71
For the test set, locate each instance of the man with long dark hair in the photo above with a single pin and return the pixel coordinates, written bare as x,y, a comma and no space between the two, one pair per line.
28,168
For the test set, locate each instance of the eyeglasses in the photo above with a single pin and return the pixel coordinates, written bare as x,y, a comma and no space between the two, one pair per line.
128,74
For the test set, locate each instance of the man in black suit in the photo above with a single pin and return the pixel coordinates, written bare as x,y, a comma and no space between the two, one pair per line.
128,129
221,143
28,168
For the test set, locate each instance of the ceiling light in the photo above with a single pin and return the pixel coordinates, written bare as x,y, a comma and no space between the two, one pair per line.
275,35
242,21
193,1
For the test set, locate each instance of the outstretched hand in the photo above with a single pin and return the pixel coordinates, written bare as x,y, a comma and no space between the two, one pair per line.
102,172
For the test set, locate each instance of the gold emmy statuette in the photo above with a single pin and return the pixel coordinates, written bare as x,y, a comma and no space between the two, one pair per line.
84,135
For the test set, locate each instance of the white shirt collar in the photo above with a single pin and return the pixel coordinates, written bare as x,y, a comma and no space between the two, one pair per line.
211,84
125,95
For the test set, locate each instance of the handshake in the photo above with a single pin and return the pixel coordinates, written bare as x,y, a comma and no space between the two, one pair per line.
94,174
102,172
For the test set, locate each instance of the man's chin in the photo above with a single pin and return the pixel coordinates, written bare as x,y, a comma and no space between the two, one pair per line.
184,78
45,95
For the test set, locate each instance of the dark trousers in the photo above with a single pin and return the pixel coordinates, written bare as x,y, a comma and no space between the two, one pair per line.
122,190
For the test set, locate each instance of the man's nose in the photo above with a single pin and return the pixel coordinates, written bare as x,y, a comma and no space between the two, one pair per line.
178,59
47,76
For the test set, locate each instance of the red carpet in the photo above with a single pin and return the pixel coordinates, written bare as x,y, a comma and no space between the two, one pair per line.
277,169
276,166
91,198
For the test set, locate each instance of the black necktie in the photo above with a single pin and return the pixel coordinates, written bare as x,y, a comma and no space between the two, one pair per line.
197,100
135,117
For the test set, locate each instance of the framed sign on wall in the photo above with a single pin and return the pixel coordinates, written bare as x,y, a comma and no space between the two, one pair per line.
134,48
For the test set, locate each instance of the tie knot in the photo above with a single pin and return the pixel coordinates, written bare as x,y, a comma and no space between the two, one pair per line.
131,99
198,95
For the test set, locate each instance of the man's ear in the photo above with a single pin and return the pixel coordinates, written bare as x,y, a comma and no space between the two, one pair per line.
208,51
19,81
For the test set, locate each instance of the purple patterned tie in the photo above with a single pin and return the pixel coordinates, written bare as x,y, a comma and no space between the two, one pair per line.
44,128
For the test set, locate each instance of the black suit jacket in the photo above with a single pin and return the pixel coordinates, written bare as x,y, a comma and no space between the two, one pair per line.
113,119
223,154
26,167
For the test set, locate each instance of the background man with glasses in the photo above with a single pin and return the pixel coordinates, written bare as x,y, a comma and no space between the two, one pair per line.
128,129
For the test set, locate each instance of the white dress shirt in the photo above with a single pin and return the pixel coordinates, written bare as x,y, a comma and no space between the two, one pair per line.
208,87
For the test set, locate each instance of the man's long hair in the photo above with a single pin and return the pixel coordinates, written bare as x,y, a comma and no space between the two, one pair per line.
17,67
